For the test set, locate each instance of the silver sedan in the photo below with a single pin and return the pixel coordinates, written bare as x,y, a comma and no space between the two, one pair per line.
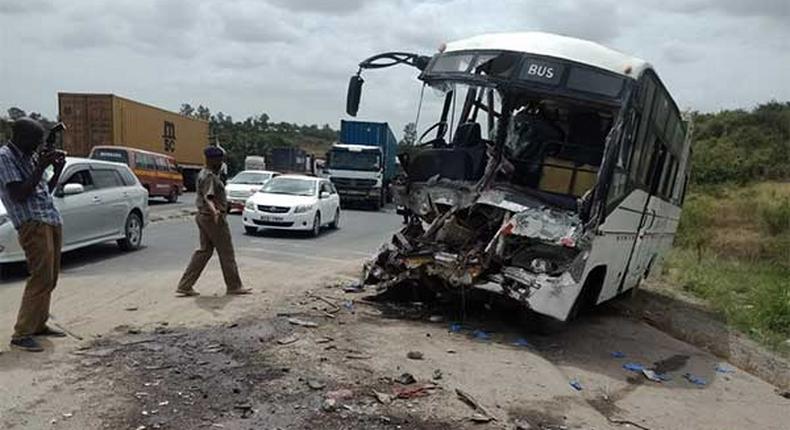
98,200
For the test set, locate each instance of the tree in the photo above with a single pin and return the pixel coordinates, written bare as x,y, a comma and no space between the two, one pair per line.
15,113
187,110
409,134
203,113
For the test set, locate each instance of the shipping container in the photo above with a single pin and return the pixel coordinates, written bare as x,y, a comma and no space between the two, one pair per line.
373,134
110,120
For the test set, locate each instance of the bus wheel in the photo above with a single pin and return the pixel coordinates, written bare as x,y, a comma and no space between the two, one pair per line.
588,296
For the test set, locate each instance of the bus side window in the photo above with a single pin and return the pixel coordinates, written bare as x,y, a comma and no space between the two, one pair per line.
685,188
161,164
642,144
666,178
645,166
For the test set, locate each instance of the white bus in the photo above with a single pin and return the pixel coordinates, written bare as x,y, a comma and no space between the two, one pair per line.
553,174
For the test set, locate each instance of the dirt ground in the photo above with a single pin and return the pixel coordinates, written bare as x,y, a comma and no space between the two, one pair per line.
326,358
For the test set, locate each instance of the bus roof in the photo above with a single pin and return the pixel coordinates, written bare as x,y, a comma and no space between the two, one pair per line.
554,45
129,148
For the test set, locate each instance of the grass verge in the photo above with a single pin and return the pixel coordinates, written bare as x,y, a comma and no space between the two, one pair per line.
753,296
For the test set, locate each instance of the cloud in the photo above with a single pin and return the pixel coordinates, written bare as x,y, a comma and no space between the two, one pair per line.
292,58
257,22
775,9
339,7
10,7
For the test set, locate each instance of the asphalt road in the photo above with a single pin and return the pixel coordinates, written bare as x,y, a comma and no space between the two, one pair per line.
169,244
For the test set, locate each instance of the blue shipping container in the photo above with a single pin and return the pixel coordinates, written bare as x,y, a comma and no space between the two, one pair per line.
373,134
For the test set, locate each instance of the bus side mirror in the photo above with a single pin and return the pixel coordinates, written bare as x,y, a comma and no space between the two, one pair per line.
354,94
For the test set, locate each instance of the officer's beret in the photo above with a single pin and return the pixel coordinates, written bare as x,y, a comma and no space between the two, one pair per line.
214,152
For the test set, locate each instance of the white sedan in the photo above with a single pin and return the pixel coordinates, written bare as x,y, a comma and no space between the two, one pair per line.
293,202
98,200
244,185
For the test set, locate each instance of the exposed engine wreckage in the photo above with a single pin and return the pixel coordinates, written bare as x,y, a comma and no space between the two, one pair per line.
499,239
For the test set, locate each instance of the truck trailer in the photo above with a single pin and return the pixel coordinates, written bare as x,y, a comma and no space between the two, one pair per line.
110,120
290,159
362,165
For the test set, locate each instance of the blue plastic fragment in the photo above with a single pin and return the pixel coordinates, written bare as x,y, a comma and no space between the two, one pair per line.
455,327
633,367
696,380
481,335
618,354
722,369
348,304
522,342
576,384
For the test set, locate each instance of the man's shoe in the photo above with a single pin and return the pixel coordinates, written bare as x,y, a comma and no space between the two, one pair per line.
239,291
26,343
187,293
50,332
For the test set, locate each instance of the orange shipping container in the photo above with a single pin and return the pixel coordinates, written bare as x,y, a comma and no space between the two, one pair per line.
110,120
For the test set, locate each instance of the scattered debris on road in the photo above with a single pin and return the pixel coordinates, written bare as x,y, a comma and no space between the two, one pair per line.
696,380
413,391
302,323
473,403
288,339
415,355
315,384
358,356
654,376
634,367
406,379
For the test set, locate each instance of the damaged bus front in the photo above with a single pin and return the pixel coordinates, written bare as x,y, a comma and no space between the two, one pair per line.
552,175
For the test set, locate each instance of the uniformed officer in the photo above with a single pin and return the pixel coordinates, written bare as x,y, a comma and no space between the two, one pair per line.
212,207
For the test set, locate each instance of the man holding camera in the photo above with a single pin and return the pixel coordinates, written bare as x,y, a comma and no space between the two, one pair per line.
27,196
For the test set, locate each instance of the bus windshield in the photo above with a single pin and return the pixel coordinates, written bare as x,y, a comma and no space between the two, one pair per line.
552,145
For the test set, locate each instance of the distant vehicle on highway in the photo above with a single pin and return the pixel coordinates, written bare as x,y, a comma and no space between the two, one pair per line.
364,162
158,173
244,185
255,162
293,202
98,200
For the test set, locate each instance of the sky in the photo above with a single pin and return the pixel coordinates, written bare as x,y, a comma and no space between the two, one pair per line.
292,58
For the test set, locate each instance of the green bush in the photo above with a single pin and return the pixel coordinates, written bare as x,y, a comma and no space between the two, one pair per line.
742,146
775,216
694,230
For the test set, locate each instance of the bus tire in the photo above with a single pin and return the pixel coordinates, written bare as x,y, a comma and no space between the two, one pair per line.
588,296
173,196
